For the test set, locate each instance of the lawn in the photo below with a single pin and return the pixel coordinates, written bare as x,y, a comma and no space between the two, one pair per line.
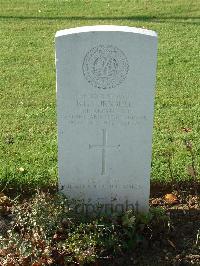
28,134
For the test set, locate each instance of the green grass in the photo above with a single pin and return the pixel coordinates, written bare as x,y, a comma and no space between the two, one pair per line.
28,137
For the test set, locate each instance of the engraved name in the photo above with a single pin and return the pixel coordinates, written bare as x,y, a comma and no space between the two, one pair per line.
106,109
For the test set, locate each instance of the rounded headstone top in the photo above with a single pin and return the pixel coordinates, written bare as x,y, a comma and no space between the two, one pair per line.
105,28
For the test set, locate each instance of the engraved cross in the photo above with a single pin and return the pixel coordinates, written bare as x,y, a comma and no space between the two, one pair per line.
104,146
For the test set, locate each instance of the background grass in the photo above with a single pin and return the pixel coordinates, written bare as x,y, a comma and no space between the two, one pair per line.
28,138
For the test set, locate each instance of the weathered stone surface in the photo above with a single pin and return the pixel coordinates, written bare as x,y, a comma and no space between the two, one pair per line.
105,95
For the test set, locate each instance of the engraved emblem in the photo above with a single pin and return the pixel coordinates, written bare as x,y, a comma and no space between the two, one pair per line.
105,67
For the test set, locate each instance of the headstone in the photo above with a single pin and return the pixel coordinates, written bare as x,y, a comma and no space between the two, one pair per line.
105,96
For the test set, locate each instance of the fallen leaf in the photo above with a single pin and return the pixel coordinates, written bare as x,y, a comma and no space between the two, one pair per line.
2,194
171,199
188,145
55,237
10,263
186,129
3,252
157,201
4,200
21,169
171,243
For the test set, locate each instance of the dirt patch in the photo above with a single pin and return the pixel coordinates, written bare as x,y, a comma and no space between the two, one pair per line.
173,242
178,244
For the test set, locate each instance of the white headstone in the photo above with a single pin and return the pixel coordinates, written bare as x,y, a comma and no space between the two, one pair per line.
105,96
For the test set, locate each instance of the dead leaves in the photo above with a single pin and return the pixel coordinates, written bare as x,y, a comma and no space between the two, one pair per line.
171,243
5,204
4,200
21,169
186,129
171,199
157,201
3,253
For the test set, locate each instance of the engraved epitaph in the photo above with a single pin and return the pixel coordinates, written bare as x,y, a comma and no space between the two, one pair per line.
105,78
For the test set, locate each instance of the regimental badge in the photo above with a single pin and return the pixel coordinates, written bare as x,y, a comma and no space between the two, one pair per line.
105,66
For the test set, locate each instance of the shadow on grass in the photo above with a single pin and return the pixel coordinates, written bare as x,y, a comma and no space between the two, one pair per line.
189,20
14,188
161,188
